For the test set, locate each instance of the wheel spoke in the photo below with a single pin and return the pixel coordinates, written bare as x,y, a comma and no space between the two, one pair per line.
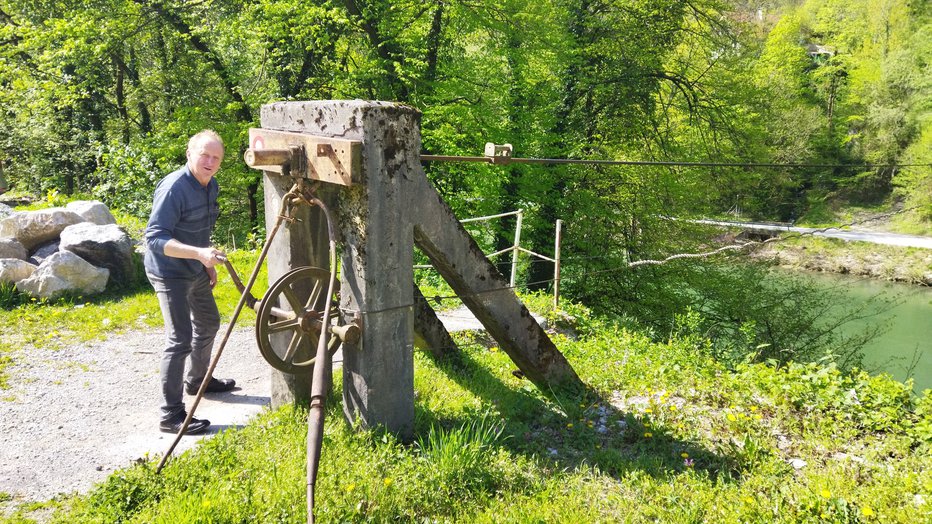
292,299
315,295
284,325
293,346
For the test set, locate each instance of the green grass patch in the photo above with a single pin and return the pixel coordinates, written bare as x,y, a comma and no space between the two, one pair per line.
664,433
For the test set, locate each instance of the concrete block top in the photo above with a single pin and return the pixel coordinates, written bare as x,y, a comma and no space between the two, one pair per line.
335,118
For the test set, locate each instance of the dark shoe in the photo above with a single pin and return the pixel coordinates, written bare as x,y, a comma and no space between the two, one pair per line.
216,385
174,425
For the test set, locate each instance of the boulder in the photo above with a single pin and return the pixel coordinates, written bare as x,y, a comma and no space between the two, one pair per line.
32,228
92,211
43,251
64,272
5,211
12,248
103,246
14,270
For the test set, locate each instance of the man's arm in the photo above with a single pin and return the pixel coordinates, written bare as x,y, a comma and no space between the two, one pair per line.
205,255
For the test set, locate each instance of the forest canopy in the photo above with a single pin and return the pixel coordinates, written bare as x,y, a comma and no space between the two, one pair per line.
98,97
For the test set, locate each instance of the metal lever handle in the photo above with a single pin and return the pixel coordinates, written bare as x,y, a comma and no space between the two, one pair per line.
350,333
267,157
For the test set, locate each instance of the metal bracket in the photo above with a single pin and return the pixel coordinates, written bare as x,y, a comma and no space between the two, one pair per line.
333,160
498,153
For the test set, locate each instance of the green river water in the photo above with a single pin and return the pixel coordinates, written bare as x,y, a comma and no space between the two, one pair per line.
906,349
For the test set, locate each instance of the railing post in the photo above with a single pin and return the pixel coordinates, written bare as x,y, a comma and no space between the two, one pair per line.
514,252
556,266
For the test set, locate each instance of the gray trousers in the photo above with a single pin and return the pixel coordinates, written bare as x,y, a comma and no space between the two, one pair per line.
191,324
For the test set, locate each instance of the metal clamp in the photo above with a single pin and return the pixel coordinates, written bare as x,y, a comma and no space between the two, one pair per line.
333,160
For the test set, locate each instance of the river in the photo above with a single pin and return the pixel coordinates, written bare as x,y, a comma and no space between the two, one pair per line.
906,349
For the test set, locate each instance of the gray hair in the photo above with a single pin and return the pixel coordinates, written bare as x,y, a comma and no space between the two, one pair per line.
207,135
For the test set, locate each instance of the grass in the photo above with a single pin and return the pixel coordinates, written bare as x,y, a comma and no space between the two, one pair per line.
663,434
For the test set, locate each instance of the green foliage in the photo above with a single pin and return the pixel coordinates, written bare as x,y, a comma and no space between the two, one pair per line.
663,435
460,459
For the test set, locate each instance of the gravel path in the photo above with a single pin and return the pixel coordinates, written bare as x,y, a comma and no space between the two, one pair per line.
72,416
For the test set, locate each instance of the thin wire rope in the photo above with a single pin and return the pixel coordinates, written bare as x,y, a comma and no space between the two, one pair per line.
501,160
678,256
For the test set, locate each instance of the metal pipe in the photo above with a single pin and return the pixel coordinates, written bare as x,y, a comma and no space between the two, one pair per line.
514,254
320,381
556,266
474,219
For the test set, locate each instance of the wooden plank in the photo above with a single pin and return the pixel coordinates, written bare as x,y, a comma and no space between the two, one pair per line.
333,160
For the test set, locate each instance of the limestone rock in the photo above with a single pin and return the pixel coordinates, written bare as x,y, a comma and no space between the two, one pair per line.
12,248
43,251
105,246
92,211
64,272
14,270
32,228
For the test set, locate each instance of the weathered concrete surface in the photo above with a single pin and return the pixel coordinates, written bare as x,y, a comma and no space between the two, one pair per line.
430,332
461,262
380,220
302,242
377,261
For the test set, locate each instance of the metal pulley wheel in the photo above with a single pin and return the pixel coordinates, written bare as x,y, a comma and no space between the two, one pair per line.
297,321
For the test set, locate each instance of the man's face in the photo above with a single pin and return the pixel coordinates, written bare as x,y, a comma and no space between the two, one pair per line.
204,159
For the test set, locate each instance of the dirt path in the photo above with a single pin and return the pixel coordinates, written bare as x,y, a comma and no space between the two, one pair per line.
72,416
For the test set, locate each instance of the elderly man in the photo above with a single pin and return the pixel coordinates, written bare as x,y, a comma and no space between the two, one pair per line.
180,265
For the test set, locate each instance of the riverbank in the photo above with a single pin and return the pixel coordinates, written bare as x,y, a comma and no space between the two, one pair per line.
883,262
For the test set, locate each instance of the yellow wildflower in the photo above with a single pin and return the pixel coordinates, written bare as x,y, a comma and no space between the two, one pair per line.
732,417
826,494
867,511
387,481
684,455
648,435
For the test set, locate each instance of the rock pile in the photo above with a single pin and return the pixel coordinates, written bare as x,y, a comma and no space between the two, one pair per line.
71,249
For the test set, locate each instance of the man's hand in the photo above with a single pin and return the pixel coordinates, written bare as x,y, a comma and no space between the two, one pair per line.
212,274
210,257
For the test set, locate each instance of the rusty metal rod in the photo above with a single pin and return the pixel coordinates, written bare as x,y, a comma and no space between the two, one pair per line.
320,381
239,307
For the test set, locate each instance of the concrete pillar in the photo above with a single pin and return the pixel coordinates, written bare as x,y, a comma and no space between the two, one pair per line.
377,250
297,244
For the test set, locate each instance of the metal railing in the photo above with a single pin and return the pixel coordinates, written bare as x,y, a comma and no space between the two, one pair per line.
516,249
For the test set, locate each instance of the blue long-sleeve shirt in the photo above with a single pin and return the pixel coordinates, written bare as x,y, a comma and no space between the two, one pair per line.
184,210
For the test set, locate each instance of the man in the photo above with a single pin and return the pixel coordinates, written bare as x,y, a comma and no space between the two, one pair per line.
180,265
